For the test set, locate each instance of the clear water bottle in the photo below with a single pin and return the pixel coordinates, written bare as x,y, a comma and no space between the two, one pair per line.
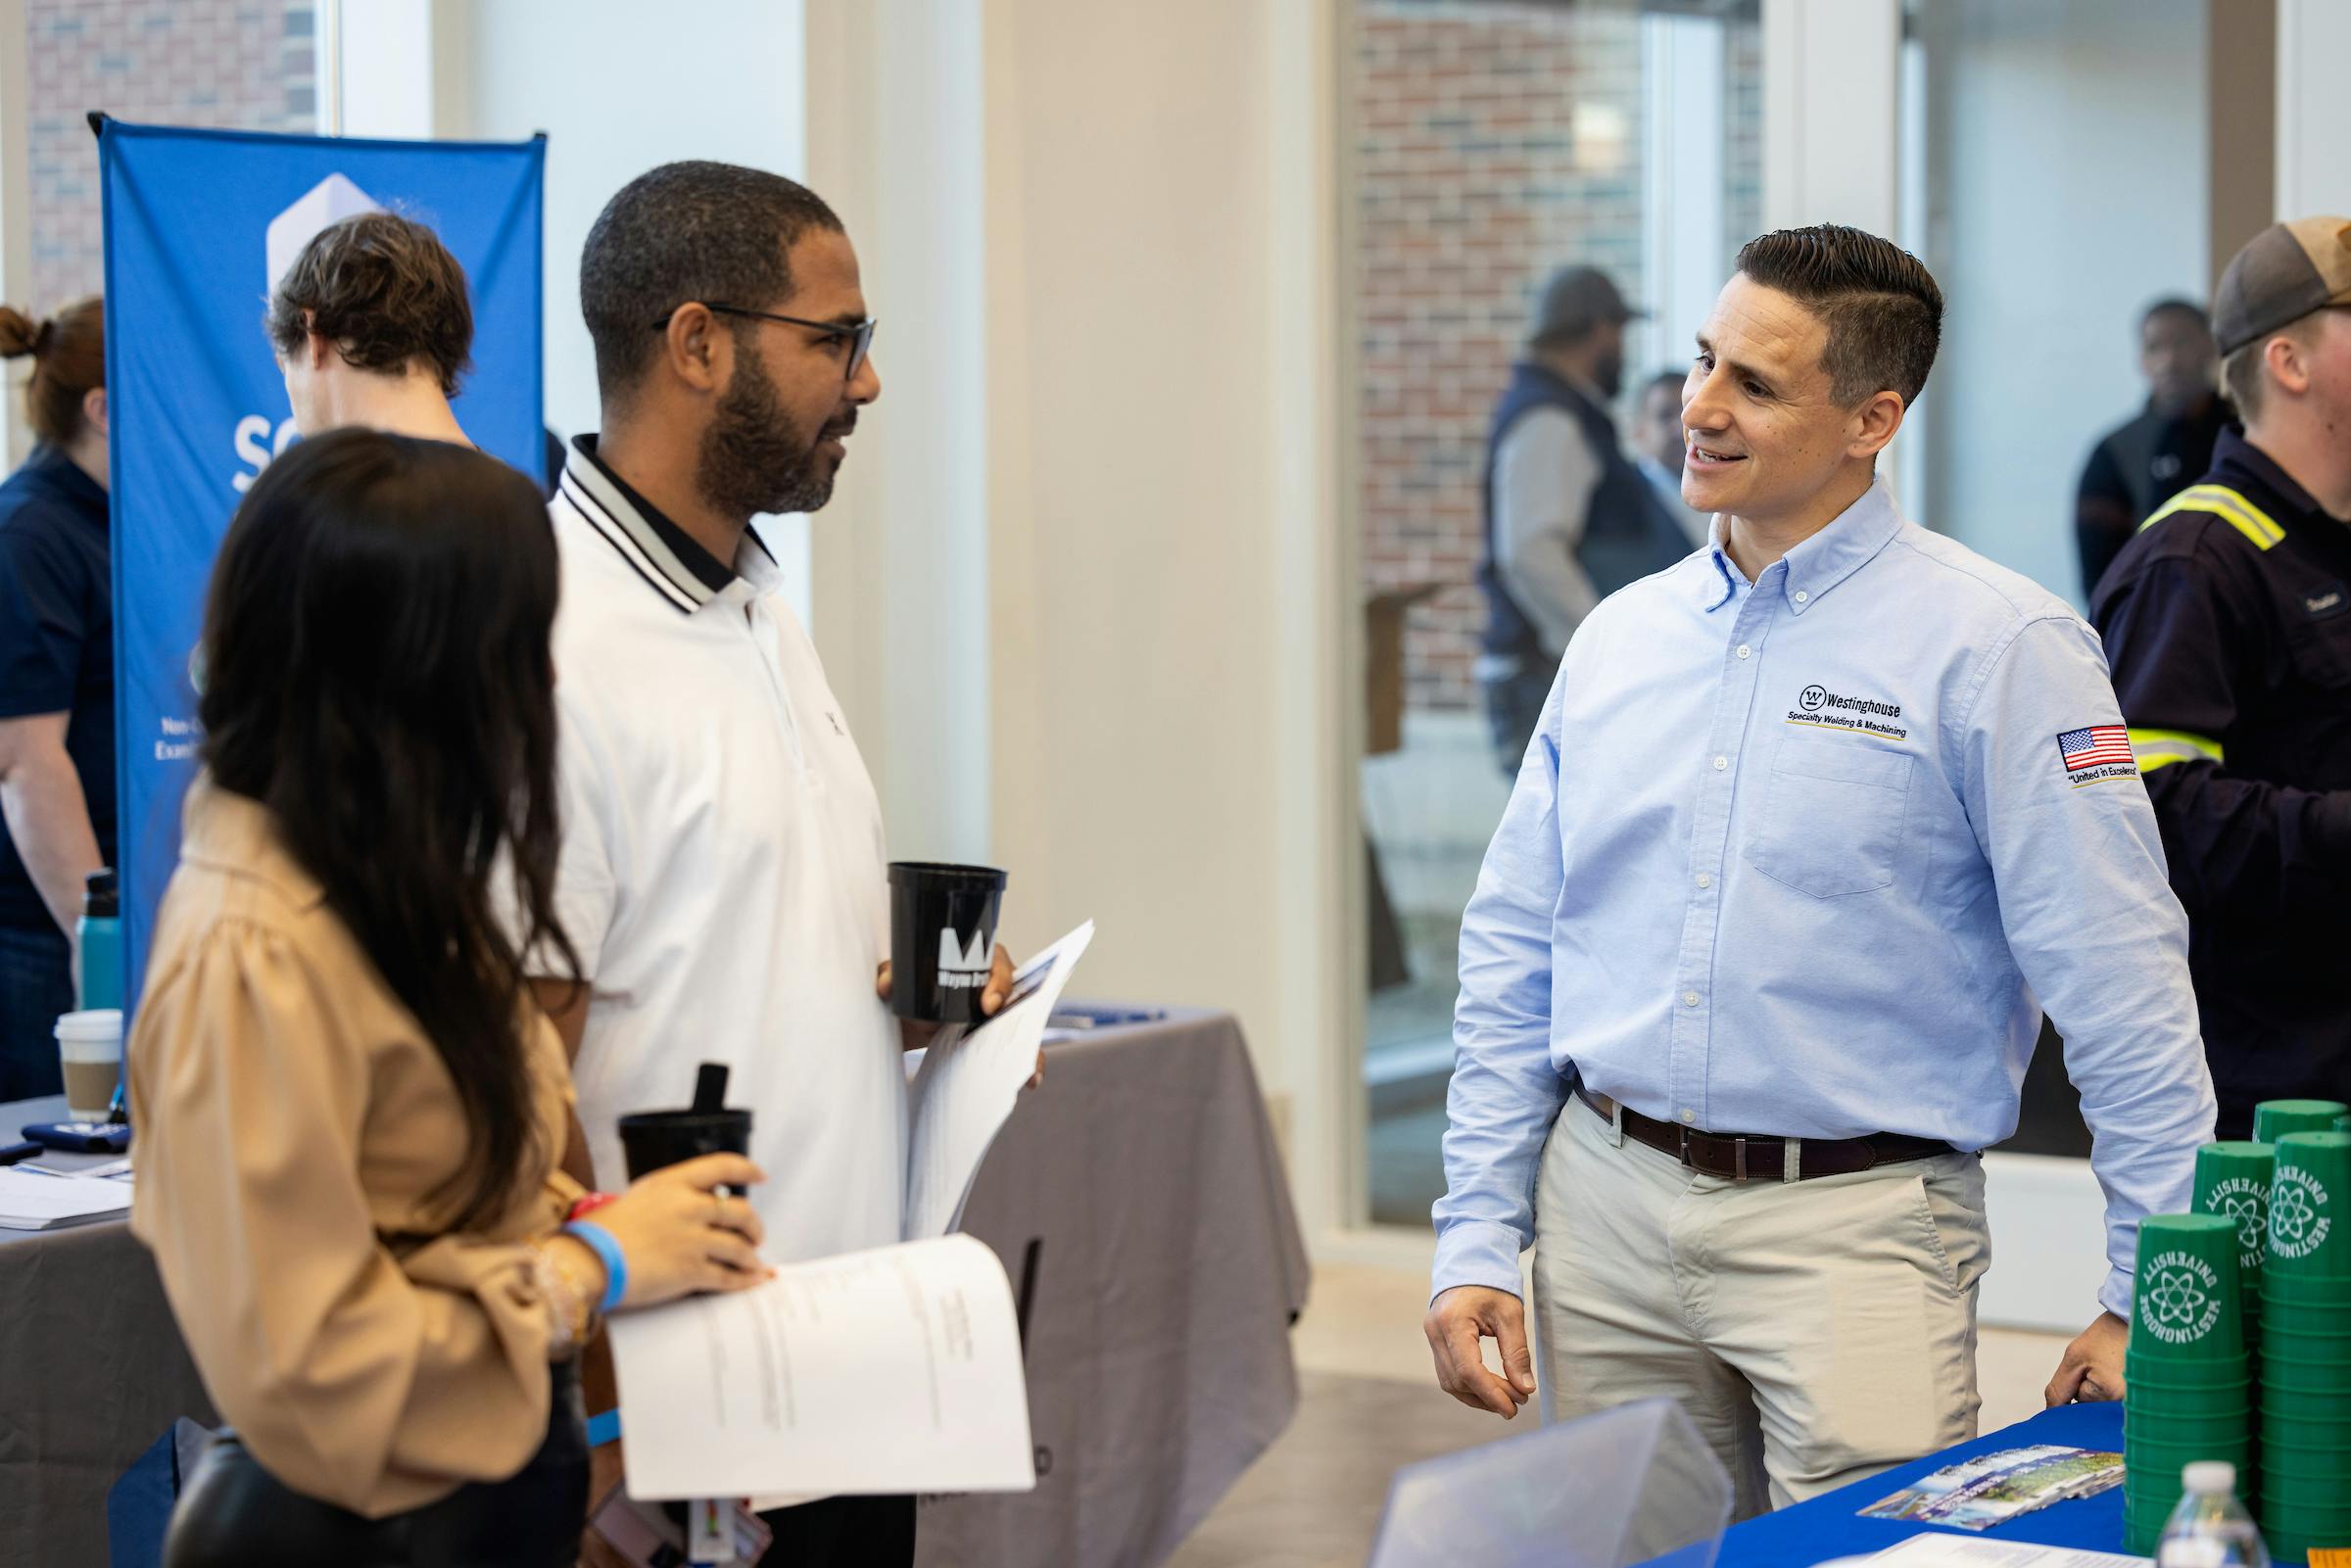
2210,1528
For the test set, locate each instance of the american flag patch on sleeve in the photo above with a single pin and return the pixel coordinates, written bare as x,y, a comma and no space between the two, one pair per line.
2102,745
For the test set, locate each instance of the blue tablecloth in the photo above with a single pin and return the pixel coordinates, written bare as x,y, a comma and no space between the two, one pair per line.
1830,1526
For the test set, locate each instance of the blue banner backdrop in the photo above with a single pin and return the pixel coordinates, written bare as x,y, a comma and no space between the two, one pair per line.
199,226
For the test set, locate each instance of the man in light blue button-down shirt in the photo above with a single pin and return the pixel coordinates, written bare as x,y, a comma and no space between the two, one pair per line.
1814,825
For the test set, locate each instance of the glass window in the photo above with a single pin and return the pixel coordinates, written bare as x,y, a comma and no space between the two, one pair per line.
1493,142
2047,264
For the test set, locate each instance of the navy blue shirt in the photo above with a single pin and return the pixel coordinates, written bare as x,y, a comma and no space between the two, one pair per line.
2227,620
57,641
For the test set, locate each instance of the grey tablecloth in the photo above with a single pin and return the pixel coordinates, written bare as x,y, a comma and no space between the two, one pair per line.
1169,1266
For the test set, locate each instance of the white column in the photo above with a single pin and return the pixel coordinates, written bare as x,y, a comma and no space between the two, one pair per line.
377,67
1829,144
901,557
2314,111
1683,243
1171,612
1314,1068
1833,132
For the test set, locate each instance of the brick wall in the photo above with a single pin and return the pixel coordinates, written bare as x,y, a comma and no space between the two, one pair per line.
1495,140
245,64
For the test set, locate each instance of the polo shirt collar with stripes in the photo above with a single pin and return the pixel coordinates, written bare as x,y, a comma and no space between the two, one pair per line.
673,564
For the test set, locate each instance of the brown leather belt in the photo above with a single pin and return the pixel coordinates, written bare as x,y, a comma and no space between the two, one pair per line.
1740,1158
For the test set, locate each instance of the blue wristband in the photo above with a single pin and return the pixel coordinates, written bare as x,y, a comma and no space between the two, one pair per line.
603,1428
616,1266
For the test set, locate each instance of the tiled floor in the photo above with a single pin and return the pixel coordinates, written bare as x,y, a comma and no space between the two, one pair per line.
1369,1405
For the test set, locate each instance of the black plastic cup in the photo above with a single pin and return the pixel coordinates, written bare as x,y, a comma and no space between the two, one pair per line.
942,938
653,1139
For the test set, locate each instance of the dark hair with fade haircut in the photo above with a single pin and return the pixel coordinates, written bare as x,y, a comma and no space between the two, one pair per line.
687,232
2174,304
385,292
1883,307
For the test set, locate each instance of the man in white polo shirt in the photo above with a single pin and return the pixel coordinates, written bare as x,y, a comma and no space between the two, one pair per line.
723,876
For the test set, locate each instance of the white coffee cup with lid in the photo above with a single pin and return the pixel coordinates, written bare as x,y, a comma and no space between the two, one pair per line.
90,1046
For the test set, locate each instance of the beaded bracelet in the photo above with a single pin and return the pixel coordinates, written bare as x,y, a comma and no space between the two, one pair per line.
568,1314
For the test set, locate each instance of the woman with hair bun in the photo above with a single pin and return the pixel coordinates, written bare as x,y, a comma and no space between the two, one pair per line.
57,684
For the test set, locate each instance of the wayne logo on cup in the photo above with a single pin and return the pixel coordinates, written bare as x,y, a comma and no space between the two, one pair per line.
962,968
1823,709
2181,1300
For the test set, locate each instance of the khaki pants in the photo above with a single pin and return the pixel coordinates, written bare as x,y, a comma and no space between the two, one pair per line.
1816,1331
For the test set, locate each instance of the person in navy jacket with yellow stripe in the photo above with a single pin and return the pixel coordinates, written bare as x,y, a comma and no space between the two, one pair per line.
2227,624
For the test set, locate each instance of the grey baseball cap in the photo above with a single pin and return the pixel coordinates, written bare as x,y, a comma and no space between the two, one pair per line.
2284,273
1575,299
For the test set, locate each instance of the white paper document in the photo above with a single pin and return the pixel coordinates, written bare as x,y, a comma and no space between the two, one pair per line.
884,1371
966,1088
1936,1550
31,1200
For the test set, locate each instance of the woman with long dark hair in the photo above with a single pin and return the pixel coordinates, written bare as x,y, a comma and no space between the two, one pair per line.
349,1110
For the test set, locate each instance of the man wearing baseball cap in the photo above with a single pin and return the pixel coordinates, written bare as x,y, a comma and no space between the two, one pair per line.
2227,623
1568,519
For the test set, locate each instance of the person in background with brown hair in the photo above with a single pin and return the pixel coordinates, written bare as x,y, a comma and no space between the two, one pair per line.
57,684
372,327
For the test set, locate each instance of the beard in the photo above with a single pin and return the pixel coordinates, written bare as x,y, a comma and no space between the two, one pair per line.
1609,374
754,458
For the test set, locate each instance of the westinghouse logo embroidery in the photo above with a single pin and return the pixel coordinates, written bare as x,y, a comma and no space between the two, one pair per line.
1824,709
2180,1300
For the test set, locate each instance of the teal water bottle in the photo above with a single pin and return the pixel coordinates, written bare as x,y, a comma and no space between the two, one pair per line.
98,969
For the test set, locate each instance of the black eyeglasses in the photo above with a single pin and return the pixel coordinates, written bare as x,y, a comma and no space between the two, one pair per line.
859,335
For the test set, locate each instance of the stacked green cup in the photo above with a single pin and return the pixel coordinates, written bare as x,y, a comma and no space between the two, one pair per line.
2305,1385
2233,1179
2188,1383
2274,1118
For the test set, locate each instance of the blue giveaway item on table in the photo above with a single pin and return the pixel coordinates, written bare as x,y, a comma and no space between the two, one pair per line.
80,1137
98,944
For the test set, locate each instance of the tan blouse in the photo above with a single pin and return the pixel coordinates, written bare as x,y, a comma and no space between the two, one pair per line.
291,1118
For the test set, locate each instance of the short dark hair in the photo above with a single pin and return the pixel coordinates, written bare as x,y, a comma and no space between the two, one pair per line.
2174,304
1883,307
385,292
694,230
1676,379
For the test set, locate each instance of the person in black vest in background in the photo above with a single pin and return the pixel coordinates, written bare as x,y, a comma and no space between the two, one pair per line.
2136,467
1568,519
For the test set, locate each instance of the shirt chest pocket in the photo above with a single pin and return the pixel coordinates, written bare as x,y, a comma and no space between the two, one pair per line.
1834,817
2320,650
